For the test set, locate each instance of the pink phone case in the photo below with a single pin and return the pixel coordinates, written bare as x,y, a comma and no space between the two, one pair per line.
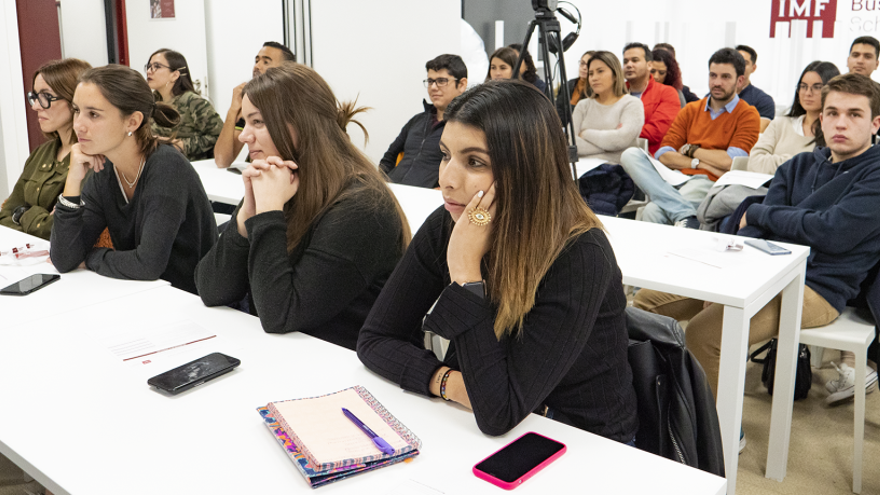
515,483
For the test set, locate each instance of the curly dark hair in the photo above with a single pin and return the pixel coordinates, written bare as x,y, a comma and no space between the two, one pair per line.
673,73
531,73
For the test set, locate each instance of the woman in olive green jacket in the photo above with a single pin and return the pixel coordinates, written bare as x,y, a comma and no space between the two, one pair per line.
29,207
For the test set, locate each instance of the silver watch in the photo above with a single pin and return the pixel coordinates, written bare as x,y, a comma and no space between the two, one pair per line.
695,163
70,204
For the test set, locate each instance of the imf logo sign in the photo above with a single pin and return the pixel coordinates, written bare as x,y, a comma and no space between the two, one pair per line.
806,10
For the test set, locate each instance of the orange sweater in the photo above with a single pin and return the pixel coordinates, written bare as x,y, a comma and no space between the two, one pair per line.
737,129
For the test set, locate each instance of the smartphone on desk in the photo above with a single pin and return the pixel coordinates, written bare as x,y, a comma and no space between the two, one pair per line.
767,246
194,373
519,460
29,285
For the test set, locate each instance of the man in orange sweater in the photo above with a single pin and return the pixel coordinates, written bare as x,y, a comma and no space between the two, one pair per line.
702,142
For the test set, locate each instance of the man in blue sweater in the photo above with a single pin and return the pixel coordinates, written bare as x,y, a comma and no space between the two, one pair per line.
827,199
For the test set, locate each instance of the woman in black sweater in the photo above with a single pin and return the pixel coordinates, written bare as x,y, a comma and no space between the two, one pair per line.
148,196
526,285
318,231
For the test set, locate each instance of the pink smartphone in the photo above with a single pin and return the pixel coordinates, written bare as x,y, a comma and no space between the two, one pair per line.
519,460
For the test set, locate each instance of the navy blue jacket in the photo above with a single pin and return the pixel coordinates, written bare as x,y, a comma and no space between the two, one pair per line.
831,207
419,141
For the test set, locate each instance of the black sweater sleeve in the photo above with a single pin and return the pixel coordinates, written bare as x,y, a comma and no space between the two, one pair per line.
75,231
508,379
221,276
389,160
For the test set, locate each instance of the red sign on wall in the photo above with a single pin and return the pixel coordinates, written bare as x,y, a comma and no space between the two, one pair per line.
806,10
162,9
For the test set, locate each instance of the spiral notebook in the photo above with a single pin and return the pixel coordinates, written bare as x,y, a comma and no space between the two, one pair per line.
325,445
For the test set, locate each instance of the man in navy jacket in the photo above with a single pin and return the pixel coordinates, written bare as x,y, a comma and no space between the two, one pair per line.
828,200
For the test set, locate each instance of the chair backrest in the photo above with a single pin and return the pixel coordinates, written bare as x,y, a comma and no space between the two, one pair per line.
642,143
740,163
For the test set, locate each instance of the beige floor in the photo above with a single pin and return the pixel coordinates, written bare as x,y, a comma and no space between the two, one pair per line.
821,451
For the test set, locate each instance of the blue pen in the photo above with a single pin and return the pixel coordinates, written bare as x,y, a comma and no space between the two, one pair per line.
380,443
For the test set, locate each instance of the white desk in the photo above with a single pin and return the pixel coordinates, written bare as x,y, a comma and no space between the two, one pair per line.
641,249
82,423
76,289
226,187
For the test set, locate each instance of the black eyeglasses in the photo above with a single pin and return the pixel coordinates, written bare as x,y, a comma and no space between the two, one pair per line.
440,81
817,88
155,66
45,99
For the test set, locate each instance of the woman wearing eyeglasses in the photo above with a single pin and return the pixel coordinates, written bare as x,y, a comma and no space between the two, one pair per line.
169,77
799,131
146,194
29,207
578,89
516,272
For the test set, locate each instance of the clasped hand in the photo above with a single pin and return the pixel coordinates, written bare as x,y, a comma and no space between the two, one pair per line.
469,242
268,185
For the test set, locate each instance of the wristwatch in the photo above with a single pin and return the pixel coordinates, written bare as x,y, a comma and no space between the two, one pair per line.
18,212
477,288
695,163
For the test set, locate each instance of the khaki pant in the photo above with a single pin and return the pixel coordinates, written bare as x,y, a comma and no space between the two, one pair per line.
703,334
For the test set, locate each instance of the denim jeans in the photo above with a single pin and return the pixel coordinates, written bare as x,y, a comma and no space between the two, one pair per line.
669,204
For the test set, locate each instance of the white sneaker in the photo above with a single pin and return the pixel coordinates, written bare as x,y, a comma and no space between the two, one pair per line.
844,386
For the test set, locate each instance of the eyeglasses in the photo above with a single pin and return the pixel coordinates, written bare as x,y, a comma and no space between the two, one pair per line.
582,64
440,81
45,99
817,88
154,67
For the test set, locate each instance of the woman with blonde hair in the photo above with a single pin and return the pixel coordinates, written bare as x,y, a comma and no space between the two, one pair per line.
609,121
521,277
318,231
29,207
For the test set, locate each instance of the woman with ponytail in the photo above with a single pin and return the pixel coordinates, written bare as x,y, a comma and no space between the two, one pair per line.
520,275
318,231
145,193
169,77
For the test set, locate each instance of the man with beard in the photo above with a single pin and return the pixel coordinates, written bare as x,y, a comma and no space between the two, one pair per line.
272,54
660,101
702,142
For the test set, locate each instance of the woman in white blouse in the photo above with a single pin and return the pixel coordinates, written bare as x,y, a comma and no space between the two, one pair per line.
610,120
799,131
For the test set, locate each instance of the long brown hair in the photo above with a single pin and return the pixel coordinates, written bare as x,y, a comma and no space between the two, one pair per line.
61,76
128,91
539,210
176,62
294,100
613,63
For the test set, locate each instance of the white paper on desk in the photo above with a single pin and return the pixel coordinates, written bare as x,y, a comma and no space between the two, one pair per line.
584,165
673,177
143,344
239,165
753,180
707,257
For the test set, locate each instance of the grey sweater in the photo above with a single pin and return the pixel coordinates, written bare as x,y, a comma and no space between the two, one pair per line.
595,126
162,232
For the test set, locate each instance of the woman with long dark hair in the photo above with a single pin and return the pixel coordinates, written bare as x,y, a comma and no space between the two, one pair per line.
168,75
528,71
145,193
318,231
800,130
521,277
501,64
665,70
29,207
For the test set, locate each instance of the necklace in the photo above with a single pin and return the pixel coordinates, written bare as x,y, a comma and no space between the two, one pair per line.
138,176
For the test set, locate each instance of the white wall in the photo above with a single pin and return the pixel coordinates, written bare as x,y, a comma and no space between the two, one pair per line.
84,31
376,51
234,36
13,122
184,33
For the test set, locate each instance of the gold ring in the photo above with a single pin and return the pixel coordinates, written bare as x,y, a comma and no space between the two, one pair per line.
479,217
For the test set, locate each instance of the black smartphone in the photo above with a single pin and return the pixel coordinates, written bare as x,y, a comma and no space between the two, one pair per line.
30,284
767,246
519,460
194,373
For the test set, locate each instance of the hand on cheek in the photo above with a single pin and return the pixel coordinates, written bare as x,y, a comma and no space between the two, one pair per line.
469,241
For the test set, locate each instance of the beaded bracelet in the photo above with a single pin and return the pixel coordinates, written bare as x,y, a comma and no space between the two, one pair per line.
443,385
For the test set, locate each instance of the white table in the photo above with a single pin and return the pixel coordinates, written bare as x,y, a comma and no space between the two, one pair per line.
747,285
226,187
82,423
76,289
